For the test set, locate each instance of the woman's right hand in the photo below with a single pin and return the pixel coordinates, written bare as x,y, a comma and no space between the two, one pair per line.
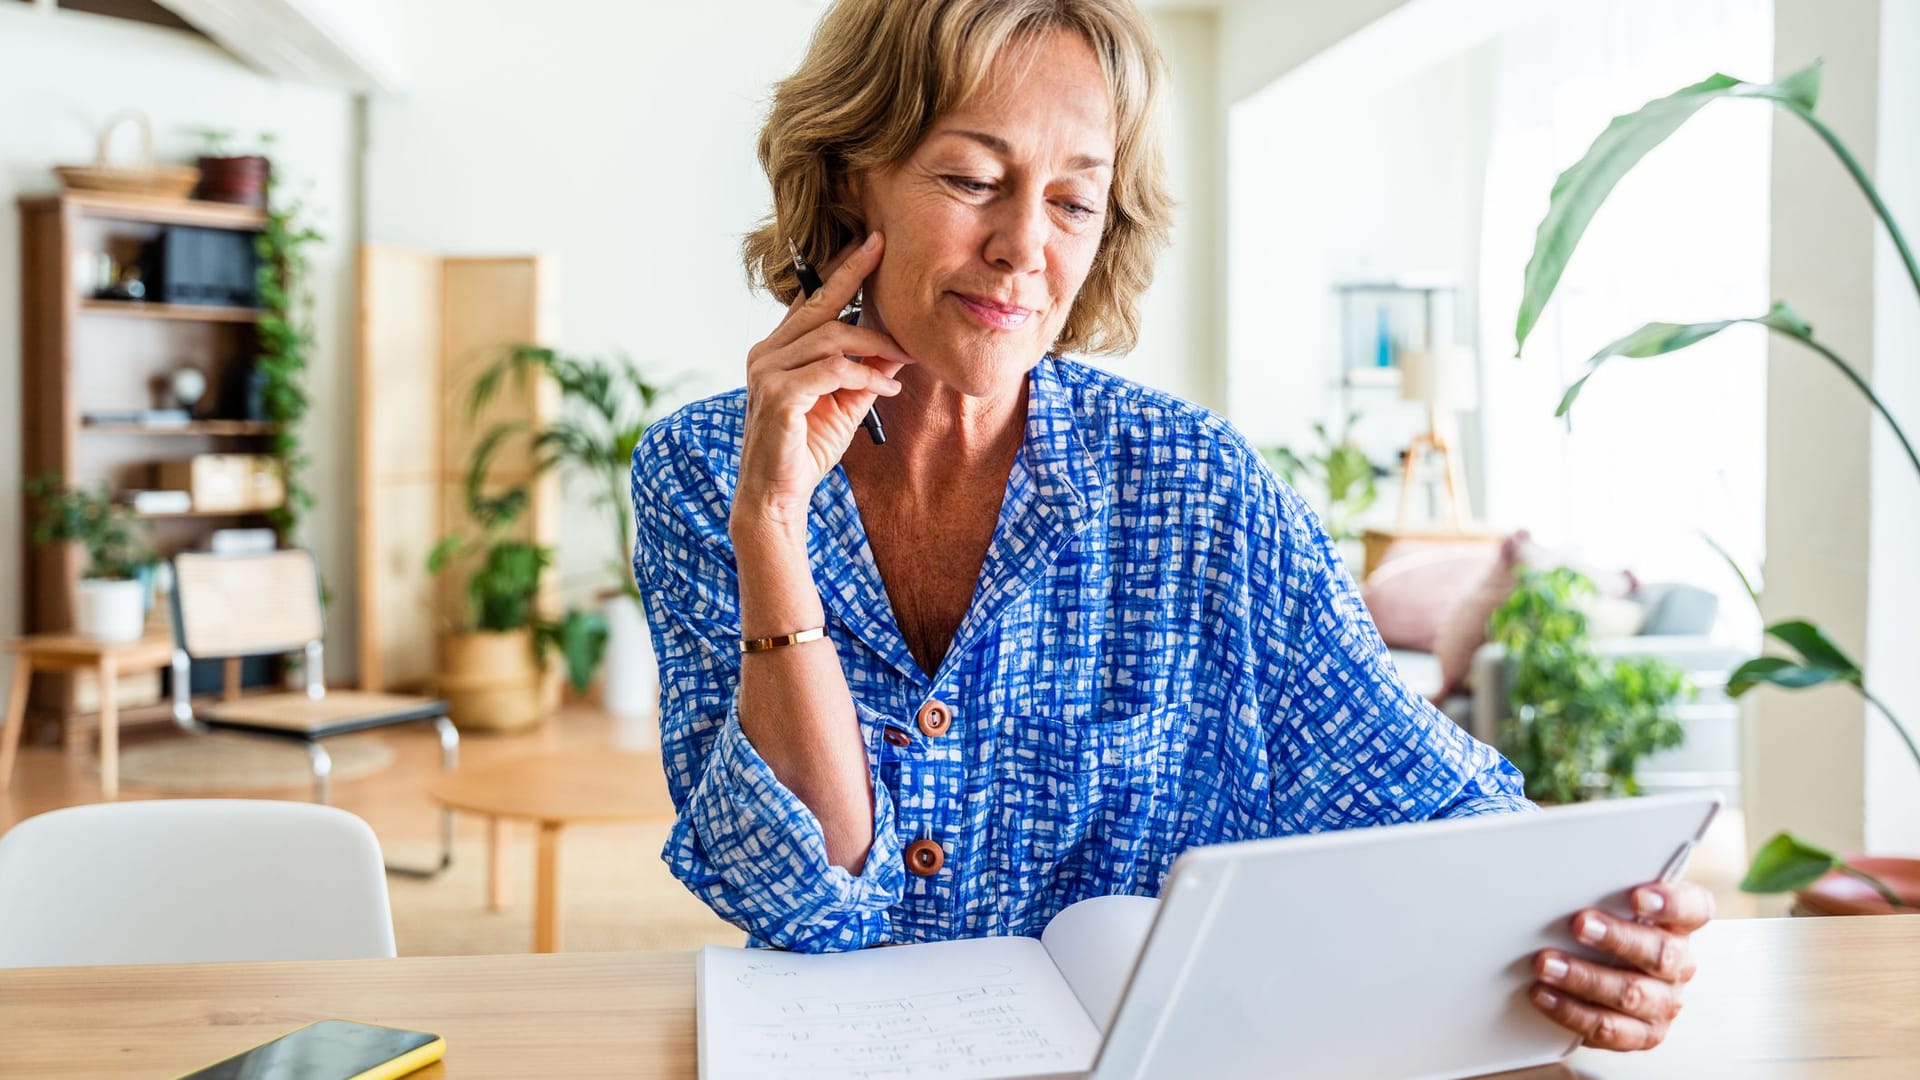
807,391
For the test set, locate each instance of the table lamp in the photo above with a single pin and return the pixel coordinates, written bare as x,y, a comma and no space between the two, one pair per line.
1445,381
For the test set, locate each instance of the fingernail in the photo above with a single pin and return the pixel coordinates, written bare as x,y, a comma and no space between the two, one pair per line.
1648,902
1592,929
873,241
1553,969
1546,999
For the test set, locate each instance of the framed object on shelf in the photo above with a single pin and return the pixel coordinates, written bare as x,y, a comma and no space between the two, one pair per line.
1381,320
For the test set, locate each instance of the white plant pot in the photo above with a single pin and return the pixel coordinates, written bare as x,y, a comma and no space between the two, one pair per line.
630,678
110,610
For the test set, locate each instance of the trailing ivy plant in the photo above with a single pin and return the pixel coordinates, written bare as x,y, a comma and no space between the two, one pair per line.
1785,862
1578,723
286,343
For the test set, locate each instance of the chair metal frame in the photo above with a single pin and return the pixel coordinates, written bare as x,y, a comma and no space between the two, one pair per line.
321,762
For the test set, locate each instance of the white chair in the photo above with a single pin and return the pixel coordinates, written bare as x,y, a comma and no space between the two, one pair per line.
191,881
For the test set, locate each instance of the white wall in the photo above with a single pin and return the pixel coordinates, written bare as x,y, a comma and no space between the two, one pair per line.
1179,349
1355,146
619,139
1263,40
1382,182
62,75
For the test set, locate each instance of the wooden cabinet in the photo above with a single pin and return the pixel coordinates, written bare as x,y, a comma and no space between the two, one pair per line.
80,355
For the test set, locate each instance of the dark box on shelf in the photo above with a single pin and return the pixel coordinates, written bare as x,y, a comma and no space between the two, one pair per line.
201,266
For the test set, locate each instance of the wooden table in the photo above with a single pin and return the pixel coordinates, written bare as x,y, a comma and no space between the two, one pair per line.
1379,542
554,790
108,660
1776,998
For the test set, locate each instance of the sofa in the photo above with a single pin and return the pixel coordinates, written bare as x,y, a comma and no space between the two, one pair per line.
1465,676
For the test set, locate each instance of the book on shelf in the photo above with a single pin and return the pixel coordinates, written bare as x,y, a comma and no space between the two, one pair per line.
158,502
974,1008
153,418
243,541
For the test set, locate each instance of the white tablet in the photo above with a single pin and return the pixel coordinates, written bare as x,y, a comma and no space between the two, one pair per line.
1399,951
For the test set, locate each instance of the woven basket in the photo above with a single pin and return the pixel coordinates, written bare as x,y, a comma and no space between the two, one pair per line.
160,181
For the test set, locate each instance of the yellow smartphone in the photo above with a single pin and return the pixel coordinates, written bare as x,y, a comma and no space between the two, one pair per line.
331,1050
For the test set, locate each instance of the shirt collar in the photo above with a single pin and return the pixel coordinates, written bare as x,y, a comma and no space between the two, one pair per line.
1055,489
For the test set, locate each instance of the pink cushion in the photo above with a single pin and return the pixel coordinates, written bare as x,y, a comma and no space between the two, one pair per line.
1464,629
1410,596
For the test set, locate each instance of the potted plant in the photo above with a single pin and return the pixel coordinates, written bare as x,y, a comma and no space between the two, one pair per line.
491,666
110,602
1785,862
1579,724
231,174
606,406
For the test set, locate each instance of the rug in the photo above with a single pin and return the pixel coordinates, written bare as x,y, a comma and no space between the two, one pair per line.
211,763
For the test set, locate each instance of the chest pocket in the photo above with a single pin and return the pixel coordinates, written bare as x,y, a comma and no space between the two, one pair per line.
1083,805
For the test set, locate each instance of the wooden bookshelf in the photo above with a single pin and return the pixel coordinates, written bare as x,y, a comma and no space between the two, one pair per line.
200,428
168,514
81,355
143,208
141,309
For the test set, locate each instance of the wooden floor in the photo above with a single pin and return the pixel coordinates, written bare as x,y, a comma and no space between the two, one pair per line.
394,802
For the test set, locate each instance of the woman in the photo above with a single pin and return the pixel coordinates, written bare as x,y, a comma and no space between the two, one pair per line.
1059,627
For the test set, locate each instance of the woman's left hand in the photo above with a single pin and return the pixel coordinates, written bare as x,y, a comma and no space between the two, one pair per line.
1626,1005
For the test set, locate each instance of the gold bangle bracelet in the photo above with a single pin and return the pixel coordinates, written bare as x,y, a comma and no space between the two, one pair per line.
762,644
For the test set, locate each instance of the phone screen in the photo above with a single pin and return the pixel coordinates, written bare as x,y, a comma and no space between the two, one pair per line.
328,1050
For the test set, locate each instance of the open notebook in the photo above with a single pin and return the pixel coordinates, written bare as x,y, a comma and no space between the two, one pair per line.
975,1008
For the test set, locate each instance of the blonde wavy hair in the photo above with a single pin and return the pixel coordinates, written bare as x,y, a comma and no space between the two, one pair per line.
878,73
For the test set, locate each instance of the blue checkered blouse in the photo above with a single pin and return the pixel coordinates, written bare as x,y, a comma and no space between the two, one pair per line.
1163,650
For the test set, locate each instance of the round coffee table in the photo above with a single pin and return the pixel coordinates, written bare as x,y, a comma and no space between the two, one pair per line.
554,790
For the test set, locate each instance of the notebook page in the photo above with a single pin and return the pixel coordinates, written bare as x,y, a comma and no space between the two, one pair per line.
974,1009
1094,944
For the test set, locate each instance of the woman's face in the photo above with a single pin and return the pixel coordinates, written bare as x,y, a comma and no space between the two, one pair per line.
993,222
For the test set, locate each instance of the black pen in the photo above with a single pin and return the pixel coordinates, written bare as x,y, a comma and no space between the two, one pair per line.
810,284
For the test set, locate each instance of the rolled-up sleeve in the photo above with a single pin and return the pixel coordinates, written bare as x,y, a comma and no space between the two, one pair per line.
742,841
1350,743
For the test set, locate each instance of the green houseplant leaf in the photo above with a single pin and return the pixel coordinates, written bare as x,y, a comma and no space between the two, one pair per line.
582,640
1816,648
1660,338
1786,863
1820,662
1581,190
1775,671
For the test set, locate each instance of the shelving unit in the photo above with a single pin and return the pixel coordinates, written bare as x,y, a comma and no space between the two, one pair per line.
237,428
167,515
81,355
140,309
